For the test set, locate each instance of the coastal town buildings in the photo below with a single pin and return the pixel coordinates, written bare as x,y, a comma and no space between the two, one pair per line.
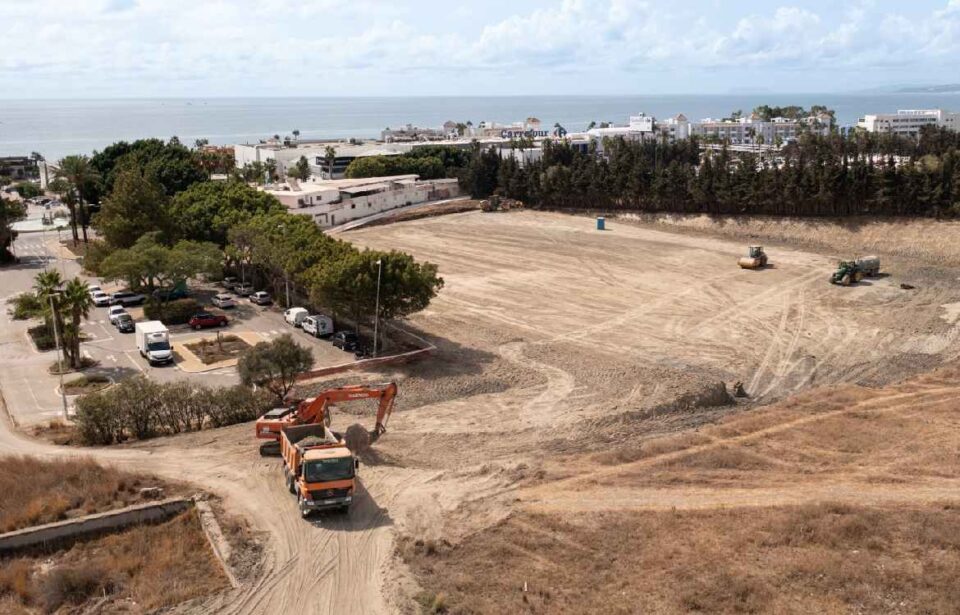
909,122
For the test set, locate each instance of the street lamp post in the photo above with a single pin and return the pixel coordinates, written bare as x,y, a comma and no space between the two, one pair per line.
376,319
56,338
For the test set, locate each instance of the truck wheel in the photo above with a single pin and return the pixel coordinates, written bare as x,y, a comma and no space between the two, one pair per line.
291,485
845,280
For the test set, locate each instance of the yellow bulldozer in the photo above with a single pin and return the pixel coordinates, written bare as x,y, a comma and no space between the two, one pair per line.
756,259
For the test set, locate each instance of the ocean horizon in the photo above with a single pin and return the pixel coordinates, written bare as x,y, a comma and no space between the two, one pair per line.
60,127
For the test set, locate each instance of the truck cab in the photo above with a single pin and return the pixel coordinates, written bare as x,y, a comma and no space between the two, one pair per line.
319,468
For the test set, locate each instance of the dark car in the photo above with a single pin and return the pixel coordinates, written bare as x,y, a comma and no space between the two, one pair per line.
229,282
124,323
170,294
126,298
345,340
206,319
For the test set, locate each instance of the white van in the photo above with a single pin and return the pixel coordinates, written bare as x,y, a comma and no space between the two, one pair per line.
295,315
318,325
153,342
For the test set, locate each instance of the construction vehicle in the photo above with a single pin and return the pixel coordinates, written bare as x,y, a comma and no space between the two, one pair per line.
498,203
316,410
757,259
318,468
849,272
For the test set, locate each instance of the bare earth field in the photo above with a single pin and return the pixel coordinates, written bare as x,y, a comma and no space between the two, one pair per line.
571,446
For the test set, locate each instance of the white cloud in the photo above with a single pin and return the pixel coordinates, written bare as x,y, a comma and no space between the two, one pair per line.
93,46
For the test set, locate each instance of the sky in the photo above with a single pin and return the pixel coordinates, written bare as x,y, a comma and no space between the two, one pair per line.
244,48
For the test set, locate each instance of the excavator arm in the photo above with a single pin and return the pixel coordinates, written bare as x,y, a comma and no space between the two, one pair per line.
316,410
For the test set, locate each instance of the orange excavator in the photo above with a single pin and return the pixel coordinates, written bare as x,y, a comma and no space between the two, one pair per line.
316,410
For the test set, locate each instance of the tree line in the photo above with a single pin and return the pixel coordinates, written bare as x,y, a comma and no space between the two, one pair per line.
161,222
833,175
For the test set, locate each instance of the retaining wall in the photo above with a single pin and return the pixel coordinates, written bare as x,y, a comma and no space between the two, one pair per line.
43,535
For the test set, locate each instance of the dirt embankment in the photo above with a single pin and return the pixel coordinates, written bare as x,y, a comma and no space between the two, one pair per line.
935,241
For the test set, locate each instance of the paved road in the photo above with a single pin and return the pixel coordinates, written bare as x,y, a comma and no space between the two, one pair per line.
32,394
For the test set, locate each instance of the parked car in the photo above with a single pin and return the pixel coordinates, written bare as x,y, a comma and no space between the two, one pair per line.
223,301
345,340
170,294
100,298
243,290
261,298
124,323
295,315
93,288
229,282
318,325
126,298
206,319
115,312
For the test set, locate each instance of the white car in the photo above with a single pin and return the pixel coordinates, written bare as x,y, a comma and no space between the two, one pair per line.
93,289
223,301
114,312
295,315
243,290
100,298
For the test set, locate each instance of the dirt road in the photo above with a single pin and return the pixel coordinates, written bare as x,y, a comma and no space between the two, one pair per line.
557,345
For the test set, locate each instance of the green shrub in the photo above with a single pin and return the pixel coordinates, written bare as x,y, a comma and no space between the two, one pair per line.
25,306
140,408
28,190
43,337
171,312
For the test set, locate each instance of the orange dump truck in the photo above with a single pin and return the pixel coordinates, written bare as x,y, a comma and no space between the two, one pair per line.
318,468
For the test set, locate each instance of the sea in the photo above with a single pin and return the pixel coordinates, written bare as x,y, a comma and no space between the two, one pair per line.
56,128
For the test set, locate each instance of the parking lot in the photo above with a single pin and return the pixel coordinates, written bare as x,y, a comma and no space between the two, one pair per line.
32,394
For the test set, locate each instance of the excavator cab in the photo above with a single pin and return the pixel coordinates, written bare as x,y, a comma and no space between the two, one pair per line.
317,410
756,251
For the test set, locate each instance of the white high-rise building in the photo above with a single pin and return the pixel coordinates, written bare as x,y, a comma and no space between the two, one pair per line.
909,122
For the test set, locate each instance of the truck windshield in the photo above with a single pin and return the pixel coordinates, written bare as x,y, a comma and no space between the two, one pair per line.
322,470
155,346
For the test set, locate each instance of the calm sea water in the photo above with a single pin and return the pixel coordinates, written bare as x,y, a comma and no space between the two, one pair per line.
56,128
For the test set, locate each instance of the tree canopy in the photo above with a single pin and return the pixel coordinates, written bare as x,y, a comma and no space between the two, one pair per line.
427,167
150,265
10,212
174,166
275,365
136,206
207,210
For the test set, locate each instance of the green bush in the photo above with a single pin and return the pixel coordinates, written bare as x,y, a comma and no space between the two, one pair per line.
142,409
25,306
43,337
176,312
28,190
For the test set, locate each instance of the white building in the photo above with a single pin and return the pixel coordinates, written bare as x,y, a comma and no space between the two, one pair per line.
333,202
909,122
752,130
285,156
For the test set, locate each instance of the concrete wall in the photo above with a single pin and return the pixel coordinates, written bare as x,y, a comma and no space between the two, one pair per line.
42,535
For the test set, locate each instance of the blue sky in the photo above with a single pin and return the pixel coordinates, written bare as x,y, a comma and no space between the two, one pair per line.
94,48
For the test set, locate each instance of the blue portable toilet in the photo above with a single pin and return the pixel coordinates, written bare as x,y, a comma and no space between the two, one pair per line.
601,222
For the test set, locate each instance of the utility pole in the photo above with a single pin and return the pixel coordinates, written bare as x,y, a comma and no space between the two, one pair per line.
376,320
56,338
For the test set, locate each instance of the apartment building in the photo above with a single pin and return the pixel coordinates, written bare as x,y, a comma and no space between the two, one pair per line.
909,122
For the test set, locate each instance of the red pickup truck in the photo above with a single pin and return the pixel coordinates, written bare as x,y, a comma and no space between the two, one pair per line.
206,319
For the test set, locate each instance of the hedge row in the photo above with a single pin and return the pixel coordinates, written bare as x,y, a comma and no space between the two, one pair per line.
140,408
176,312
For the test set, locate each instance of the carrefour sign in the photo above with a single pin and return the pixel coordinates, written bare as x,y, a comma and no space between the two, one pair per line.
521,134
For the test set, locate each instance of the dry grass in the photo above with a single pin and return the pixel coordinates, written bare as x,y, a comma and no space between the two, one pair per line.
152,566
61,489
819,558
214,350
86,384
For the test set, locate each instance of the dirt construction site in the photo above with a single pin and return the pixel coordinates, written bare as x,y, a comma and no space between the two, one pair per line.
573,445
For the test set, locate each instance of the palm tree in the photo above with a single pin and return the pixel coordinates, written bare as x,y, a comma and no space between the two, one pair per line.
76,300
62,187
329,157
47,286
80,173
